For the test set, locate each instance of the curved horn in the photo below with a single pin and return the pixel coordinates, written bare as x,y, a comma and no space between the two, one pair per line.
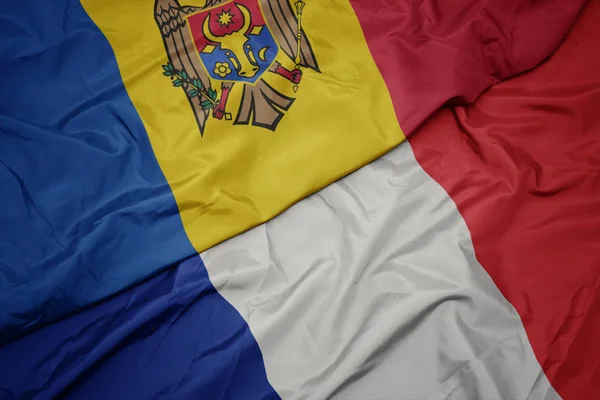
207,32
246,16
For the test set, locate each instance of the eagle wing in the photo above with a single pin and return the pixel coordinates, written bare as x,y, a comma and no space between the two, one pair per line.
178,41
283,23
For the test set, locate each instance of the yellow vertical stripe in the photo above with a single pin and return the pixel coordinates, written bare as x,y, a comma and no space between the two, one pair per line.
235,177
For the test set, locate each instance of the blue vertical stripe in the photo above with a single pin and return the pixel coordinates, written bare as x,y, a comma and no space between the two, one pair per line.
85,210
172,337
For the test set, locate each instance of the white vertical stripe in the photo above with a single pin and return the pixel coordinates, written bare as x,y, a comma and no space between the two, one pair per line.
370,290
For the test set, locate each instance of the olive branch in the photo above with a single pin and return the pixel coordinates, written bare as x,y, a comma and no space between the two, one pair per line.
192,87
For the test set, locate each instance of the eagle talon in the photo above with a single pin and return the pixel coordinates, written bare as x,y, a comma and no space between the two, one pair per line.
219,110
294,76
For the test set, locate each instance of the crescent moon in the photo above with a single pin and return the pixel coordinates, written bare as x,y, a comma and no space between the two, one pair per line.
262,52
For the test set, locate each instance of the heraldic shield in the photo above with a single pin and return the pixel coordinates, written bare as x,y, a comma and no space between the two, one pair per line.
235,42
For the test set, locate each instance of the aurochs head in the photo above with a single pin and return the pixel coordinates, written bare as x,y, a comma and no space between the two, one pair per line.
236,45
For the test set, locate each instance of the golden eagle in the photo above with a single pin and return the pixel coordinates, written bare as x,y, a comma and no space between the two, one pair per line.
261,104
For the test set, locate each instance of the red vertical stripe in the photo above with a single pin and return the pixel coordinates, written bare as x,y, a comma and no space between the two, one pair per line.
434,51
523,166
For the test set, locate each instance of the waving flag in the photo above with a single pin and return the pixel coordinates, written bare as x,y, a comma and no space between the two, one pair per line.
435,272
118,156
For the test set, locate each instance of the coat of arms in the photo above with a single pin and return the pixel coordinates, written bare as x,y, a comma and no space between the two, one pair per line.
228,42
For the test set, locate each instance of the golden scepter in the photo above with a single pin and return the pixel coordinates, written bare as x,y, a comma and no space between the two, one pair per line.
299,5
